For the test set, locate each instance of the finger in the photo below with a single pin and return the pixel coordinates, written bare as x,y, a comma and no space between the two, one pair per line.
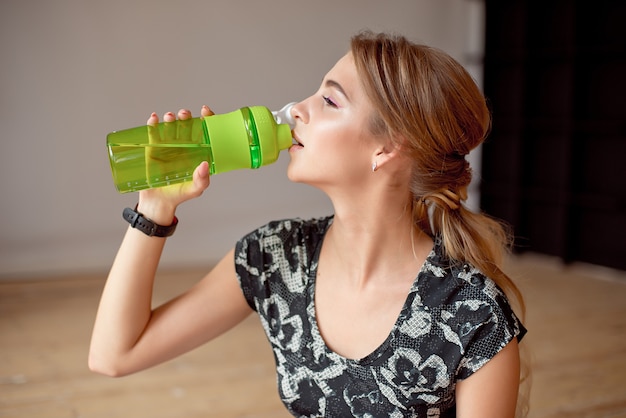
169,128
199,183
206,111
184,125
153,119
153,131
184,114
201,178
169,117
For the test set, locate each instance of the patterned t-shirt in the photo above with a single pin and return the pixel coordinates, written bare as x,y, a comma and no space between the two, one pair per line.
453,321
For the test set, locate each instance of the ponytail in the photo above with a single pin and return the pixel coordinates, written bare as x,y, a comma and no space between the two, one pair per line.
430,105
474,238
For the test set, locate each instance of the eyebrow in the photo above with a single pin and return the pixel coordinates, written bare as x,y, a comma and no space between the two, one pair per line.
336,85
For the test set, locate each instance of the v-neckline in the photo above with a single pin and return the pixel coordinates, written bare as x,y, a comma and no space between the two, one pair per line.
312,312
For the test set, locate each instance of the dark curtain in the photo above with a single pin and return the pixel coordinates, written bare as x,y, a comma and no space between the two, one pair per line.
554,165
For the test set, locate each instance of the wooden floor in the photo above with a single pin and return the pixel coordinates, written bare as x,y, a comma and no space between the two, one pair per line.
577,336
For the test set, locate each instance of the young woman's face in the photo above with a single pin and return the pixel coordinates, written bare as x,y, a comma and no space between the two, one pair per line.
335,146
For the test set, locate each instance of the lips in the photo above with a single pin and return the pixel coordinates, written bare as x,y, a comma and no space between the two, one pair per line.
295,140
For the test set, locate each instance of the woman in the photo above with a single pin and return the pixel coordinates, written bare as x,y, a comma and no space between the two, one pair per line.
390,307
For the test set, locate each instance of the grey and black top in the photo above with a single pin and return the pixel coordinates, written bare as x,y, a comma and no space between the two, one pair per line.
454,320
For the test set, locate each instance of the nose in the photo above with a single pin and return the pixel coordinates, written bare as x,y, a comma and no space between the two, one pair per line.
298,112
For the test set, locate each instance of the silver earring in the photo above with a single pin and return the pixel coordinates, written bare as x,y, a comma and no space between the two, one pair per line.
374,166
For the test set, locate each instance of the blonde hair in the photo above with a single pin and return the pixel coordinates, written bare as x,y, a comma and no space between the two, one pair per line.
430,105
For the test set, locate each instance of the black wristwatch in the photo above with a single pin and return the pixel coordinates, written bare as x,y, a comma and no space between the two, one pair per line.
145,225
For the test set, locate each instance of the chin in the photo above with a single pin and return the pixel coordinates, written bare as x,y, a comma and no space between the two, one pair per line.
291,174
298,176
294,177
294,172
305,174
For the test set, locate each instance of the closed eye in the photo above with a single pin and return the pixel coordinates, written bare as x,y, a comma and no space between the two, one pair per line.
329,101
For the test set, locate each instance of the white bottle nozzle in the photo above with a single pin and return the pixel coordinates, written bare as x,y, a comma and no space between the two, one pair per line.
284,115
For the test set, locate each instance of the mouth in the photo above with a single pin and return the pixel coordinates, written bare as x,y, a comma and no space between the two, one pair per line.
295,140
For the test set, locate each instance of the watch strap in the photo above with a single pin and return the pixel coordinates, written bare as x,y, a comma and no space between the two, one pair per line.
145,225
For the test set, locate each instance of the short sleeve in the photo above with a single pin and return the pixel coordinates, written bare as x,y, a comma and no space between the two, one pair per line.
275,258
490,321
250,260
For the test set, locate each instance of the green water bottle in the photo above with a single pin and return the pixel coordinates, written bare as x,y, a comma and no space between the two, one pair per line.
167,153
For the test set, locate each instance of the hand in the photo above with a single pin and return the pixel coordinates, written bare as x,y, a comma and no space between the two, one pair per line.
159,204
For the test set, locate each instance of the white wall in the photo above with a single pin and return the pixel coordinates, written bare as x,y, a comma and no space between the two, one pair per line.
73,70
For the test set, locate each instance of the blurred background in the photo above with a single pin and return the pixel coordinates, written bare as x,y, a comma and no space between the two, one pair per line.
72,71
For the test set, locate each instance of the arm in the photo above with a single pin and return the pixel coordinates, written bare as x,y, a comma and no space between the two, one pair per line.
492,390
128,334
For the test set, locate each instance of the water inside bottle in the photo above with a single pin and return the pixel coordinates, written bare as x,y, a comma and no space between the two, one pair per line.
141,166
156,156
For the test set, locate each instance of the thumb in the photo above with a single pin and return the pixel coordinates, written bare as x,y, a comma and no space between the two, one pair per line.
201,179
191,189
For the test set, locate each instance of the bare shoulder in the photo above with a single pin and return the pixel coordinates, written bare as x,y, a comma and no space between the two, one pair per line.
492,390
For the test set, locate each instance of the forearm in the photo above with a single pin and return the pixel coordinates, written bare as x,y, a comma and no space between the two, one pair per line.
126,303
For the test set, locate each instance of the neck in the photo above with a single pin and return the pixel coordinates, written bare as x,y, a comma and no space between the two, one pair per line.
375,240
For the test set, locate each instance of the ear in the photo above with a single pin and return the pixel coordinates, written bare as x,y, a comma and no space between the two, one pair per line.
386,153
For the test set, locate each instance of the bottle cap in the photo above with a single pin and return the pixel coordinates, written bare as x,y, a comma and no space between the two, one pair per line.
284,115
273,137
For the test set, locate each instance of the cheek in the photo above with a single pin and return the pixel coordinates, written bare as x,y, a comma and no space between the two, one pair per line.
327,162
334,149
347,161
339,136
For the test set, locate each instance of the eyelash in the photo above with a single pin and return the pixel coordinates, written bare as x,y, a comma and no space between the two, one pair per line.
329,101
